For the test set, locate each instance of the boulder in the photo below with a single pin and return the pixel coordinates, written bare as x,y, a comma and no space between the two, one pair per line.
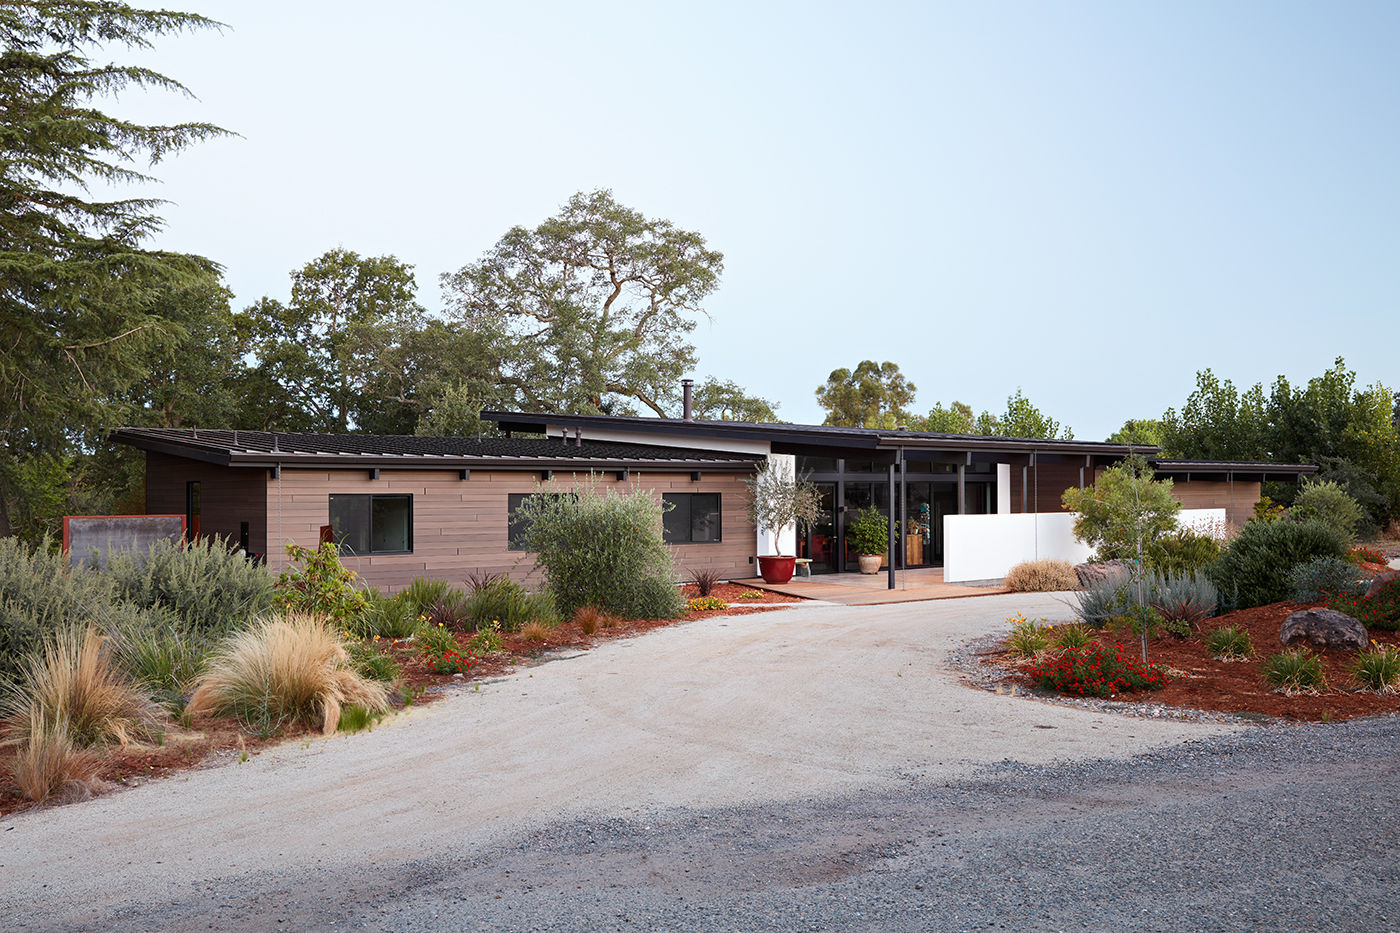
1098,571
1380,580
1326,628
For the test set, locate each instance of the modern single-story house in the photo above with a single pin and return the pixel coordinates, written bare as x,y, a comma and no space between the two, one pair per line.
406,506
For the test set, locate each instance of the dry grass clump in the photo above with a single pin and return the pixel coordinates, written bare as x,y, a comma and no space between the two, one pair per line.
50,767
590,618
285,668
1041,576
535,631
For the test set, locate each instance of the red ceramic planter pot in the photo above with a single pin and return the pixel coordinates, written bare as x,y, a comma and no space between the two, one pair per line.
775,569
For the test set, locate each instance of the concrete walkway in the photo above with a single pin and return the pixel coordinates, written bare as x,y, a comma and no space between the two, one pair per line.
872,589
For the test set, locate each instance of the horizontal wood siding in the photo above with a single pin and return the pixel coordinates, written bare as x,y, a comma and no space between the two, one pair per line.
1046,483
227,495
1237,498
460,526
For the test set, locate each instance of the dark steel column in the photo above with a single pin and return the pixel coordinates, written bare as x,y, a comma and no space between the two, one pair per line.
902,536
890,556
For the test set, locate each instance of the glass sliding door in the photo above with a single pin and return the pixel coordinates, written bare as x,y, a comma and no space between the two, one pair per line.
819,542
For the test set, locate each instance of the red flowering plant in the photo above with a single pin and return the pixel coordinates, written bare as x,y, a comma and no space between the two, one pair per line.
454,662
1365,555
1096,670
1379,611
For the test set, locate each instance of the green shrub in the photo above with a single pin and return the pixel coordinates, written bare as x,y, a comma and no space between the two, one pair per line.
1183,551
1294,670
1097,602
371,663
422,593
1183,599
434,639
450,610
543,608
1254,570
487,639
1095,670
212,589
1068,637
869,531
40,597
358,718
1380,611
603,550
1377,669
1028,638
1325,502
500,600
165,660
322,586
1124,509
1229,643
385,616
1322,578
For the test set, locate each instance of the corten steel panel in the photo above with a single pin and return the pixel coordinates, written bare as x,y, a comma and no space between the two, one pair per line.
87,538
228,496
460,526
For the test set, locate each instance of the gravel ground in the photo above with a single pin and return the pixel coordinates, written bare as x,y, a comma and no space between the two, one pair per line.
810,769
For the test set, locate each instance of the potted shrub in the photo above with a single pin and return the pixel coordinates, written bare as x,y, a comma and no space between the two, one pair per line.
777,499
869,537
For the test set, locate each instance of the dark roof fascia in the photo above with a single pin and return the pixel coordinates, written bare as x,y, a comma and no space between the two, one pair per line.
1167,465
821,436
776,433
429,462
186,449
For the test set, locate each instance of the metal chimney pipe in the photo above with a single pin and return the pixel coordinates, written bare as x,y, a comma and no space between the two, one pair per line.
686,413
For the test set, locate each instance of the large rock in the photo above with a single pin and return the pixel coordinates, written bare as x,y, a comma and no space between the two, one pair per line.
1099,571
1380,580
1326,628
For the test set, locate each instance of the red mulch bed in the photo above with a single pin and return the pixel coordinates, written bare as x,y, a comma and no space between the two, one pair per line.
1199,682
137,764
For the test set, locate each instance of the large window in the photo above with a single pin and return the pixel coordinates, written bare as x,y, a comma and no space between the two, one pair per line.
364,524
692,518
518,528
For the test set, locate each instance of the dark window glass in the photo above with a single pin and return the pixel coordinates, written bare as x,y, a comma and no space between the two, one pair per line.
693,517
860,466
816,464
363,524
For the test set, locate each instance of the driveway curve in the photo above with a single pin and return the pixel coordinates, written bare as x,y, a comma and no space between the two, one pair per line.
761,708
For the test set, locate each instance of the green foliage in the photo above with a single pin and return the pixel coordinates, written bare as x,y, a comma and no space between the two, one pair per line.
80,299
1140,432
1182,551
1125,513
1028,637
1381,610
434,639
1377,669
603,550
1322,578
702,603
1255,568
1229,643
322,587
1020,419
504,601
371,663
211,588
717,400
165,660
487,639
1294,670
869,531
777,498
1096,604
1183,599
1325,502
1069,637
609,330
451,610
386,617
358,718
875,395
957,418
421,593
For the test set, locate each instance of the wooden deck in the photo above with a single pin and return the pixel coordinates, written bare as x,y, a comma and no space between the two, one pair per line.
861,589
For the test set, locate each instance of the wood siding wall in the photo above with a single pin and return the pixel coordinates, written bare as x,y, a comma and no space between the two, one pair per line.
460,526
1045,484
227,496
1237,498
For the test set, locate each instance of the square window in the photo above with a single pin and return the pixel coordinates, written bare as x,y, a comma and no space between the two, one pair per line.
365,524
693,518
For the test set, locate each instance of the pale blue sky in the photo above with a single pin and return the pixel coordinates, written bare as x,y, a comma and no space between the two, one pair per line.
1090,201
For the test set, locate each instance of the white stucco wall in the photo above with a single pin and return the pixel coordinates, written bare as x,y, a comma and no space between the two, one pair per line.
985,547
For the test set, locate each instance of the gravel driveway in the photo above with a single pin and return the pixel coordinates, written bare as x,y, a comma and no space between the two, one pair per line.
812,768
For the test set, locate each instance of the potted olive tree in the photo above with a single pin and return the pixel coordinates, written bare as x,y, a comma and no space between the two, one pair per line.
869,537
779,498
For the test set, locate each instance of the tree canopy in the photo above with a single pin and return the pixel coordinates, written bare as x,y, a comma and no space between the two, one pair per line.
1020,419
84,307
873,395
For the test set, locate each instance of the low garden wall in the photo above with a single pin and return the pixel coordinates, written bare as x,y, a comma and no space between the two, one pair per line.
985,547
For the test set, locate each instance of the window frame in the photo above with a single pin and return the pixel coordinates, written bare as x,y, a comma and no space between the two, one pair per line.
368,498
671,497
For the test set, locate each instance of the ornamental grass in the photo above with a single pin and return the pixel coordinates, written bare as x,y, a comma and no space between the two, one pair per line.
1041,576
284,669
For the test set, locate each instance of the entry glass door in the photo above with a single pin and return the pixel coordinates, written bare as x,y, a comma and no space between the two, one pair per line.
819,543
